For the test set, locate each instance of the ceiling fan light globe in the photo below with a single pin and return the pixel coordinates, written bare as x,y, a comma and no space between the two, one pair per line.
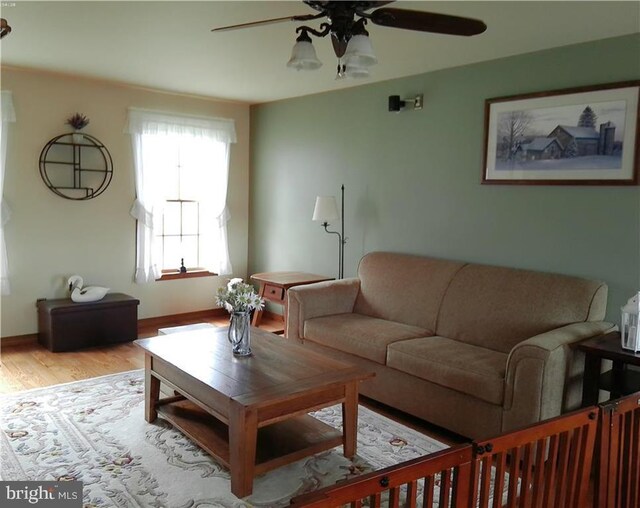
303,57
359,52
356,72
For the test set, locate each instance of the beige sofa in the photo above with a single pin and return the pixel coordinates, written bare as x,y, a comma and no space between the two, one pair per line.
476,349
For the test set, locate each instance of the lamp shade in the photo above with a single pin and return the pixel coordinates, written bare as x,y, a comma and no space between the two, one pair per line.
326,209
359,52
303,57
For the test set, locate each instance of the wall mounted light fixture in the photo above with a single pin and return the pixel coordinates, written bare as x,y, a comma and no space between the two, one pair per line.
396,103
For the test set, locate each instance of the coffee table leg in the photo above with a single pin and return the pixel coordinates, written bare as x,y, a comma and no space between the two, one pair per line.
350,419
243,433
151,391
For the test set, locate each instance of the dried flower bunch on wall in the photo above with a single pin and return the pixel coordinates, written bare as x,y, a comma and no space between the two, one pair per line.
78,121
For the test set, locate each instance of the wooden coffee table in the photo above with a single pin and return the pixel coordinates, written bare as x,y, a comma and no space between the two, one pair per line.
250,413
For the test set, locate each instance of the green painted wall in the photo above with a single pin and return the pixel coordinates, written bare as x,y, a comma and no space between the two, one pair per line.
413,179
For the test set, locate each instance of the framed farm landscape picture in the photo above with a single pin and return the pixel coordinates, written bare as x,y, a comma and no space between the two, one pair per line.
578,136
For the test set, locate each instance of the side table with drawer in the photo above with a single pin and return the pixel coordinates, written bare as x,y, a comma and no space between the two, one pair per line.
274,287
65,325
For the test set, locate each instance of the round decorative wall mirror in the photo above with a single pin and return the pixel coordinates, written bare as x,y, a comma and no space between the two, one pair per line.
76,166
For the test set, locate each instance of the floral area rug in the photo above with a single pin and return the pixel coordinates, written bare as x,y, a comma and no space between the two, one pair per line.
94,431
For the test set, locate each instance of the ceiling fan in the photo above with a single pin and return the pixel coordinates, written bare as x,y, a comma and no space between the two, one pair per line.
345,22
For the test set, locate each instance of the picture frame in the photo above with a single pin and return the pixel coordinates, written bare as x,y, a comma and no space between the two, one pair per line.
574,136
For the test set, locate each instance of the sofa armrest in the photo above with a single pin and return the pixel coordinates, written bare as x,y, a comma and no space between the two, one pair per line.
319,299
542,374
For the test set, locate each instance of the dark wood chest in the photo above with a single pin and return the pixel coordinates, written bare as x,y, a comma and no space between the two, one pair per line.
64,325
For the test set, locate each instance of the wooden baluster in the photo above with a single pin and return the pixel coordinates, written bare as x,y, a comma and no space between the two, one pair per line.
498,485
574,465
412,494
427,494
394,497
445,488
550,472
538,474
485,482
514,474
527,466
635,463
563,463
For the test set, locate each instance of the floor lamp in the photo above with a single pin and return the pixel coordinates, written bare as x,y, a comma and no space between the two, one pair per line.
326,210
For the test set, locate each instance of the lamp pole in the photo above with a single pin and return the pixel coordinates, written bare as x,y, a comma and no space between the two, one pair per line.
342,240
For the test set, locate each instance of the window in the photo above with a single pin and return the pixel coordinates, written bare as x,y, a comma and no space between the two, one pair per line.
181,186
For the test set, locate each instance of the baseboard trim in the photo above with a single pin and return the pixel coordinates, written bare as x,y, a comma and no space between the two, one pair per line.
157,322
19,340
176,319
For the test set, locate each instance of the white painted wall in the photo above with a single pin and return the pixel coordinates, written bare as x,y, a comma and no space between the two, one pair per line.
50,238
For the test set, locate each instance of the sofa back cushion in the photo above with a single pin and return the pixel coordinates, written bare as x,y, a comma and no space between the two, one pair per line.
403,288
497,308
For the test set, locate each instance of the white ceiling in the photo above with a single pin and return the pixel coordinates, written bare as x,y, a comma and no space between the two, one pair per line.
169,46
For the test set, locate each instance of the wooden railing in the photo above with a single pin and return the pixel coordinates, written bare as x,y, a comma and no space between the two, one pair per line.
439,479
618,482
543,465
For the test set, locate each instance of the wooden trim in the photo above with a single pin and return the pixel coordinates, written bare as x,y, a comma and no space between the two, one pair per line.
160,321
19,340
186,275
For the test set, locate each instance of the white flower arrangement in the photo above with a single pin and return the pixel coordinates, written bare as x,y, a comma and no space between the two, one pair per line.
238,296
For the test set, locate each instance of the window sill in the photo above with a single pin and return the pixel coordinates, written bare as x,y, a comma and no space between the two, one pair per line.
186,275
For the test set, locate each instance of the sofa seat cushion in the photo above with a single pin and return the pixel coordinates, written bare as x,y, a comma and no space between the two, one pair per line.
360,335
466,368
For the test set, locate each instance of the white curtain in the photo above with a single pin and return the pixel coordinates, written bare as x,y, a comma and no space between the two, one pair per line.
8,116
201,139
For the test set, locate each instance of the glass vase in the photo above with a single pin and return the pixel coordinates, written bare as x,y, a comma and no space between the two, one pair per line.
240,333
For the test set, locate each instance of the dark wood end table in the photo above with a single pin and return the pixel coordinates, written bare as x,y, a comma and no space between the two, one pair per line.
274,287
619,380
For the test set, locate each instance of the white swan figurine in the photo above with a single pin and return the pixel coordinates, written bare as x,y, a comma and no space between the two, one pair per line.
82,294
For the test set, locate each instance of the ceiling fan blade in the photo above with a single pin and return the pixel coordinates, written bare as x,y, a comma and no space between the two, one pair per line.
427,21
305,17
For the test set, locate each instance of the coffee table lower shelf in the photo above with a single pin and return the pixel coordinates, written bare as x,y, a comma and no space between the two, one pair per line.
278,443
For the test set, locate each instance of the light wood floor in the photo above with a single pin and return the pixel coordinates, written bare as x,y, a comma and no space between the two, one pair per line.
27,366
